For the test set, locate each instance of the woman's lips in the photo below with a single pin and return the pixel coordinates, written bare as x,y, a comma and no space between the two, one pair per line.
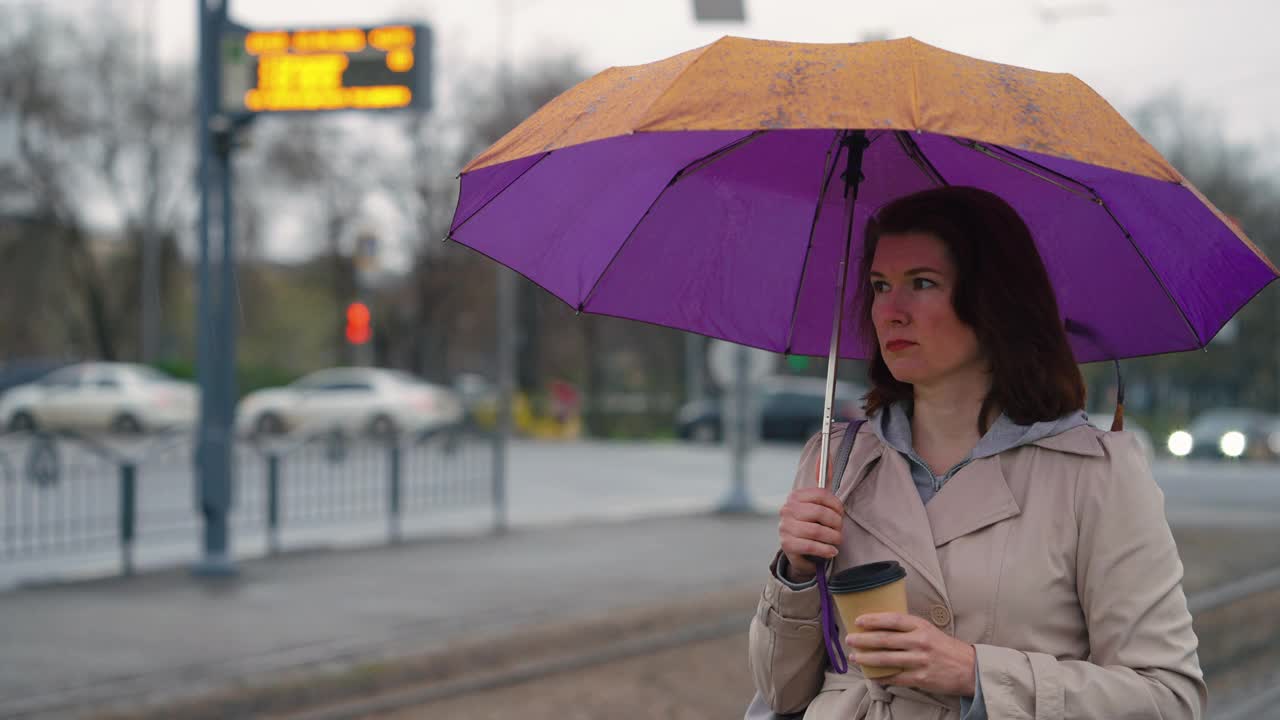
896,345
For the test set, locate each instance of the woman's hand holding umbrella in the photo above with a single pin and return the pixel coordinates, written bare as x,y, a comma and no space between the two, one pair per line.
809,528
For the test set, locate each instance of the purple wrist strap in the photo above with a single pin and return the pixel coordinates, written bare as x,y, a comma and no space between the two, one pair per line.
830,631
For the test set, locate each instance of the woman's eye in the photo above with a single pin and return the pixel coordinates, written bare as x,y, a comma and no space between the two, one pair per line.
879,286
924,283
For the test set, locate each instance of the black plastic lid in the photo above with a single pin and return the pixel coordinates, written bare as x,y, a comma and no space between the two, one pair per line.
866,577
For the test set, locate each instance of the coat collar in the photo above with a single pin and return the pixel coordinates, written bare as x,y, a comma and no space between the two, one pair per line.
975,497
979,495
972,499
1084,440
877,481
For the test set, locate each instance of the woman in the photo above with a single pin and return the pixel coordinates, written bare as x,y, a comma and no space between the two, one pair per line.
1042,579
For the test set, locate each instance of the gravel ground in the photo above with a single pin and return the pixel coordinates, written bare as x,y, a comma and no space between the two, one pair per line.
706,678
703,681
710,679
1212,556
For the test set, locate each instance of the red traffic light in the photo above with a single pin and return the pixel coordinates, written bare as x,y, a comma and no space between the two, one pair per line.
359,330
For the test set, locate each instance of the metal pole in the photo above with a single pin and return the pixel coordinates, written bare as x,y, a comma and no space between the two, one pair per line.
273,503
228,327
150,244
506,321
215,335
737,500
693,362
393,501
128,515
203,275
506,385
855,143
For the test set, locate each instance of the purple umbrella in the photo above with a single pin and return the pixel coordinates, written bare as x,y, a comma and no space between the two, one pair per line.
719,192
704,192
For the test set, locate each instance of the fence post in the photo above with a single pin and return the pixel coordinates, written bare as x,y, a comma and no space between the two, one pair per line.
11,481
273,503
393,504
128,519
498,472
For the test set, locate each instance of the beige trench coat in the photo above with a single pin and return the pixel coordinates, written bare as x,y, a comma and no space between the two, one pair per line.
1053,559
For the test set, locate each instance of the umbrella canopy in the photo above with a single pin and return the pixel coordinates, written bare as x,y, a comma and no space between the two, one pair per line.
703,192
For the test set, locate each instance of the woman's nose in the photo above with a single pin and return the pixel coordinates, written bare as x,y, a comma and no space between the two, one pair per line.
892,310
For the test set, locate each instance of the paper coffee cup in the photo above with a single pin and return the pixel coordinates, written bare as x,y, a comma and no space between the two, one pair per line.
870,588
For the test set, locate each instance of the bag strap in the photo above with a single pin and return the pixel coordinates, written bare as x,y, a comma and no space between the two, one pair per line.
830,631
843,453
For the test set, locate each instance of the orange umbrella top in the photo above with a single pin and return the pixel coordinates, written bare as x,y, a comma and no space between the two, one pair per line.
743,84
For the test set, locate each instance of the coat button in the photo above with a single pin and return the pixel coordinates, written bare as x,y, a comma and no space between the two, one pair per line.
940,615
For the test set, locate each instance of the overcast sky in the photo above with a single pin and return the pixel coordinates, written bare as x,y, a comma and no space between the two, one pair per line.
1221,53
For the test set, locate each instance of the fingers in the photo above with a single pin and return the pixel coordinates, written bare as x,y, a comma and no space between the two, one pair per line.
899,622
823,509
816,496
808,531
905,659
808,539
809,526
810,513
883,640
795,547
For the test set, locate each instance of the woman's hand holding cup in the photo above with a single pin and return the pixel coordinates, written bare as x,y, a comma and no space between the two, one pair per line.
809,527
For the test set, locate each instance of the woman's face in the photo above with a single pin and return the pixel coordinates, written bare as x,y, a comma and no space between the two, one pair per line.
920,337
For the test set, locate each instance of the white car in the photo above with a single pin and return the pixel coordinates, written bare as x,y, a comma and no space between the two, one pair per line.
119,397
369,400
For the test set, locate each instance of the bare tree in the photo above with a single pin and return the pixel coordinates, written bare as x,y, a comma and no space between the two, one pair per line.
450,285
91,139
320,164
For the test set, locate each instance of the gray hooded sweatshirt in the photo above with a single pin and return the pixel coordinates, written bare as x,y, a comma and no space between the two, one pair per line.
893,426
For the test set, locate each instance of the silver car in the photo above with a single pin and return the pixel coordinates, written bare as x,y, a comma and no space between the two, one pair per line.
373,400
119,397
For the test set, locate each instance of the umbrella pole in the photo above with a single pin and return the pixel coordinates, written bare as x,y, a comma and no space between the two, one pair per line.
855,142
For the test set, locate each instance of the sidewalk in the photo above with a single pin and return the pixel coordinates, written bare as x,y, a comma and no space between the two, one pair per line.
88,648
116,643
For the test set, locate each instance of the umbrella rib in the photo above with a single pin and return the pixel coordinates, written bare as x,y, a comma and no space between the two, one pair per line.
829,172
720,154
916,153
1097,199
695,164
1091,195
1160,280
1038,166
532,165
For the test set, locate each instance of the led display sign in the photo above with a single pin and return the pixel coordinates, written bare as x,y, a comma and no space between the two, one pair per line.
325,69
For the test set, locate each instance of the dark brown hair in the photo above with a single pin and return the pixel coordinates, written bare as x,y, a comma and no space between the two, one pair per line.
1002,291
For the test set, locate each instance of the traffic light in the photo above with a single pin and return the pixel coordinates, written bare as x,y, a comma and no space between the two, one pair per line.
359,329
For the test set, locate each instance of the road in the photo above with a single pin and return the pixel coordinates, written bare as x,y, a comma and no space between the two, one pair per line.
339,496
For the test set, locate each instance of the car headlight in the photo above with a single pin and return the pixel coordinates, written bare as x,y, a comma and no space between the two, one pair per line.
1232,444
1180,443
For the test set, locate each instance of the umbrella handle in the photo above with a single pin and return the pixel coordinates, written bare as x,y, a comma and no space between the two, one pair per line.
1117,422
